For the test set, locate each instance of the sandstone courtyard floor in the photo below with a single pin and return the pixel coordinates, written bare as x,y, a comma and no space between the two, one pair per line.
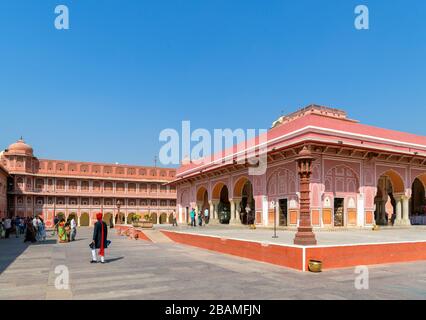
144,270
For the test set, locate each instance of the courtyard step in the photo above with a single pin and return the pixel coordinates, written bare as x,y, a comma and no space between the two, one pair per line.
157,236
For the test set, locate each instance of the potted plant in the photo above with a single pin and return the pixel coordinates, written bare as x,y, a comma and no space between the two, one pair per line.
146,222
136,220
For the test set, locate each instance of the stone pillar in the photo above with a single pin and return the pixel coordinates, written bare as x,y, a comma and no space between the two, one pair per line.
232,219
125,218
215,212
237,211
78,220
405,211
305,235
211,212
398,209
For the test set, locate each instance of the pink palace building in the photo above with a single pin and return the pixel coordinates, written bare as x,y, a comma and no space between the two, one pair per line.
360,176
30,186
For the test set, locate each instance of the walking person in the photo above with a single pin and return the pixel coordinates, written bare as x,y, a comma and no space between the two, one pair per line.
174,219
192,214
2,230
206,216
55,224
41,231
30,234
200,218
62,233
73,225
100,239
7,227
17,223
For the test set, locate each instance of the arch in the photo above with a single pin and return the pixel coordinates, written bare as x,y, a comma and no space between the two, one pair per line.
239,186
217,189
184,198
341,178
281,181
84,219
418,202
107,217
153,217
395,179
163,218
72,215
201,192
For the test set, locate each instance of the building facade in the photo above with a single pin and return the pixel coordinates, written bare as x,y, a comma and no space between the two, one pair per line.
361,175
3,191
82,189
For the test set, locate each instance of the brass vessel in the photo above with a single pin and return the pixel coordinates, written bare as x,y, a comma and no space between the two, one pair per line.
315,266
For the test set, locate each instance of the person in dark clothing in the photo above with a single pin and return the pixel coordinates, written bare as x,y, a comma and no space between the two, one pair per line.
100,241
30,232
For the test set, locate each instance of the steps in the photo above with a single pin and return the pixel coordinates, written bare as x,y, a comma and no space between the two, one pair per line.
157,236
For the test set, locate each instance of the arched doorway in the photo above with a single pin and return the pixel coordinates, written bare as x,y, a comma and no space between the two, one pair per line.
130,217
107,218
244,189
418,201
153,218
84,219
163,218
203,201
220,191
71,216
388,186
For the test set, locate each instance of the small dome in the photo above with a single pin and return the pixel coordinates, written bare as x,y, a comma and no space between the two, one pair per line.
21,148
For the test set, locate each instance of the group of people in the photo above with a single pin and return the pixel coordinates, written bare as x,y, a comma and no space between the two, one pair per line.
66,230
34,229
199,217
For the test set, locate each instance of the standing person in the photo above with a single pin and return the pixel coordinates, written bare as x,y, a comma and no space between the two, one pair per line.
100,241
35,225
174,219
7,227
62,233
200,218
41,232
17,226
30,234
22,226
55,224
192,214
2,231
206,216
250,217
73,229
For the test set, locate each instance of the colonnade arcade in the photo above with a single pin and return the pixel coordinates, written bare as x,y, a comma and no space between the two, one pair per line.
397,205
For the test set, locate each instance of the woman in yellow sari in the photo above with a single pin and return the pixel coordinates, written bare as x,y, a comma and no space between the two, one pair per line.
62,233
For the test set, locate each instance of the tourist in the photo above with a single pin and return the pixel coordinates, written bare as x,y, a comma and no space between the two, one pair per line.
2,231
68,229
192,214
206,216
62,233
250,217
200,218
17,223
30,233
35,224
174,219
41,232
21,225
100,235
73,225
55,225
7,227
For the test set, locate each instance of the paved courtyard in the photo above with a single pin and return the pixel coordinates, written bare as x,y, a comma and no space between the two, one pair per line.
143,270
324,237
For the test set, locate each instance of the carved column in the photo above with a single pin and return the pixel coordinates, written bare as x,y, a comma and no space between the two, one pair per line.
232,219
398,216
405,211
305,235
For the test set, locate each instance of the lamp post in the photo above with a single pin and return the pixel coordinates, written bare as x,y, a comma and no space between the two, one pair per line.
305,235
274,206
118,211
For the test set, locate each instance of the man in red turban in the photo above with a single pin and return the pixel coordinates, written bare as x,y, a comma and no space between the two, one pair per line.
100,233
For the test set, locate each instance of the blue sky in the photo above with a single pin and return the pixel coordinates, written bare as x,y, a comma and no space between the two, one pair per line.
103,90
